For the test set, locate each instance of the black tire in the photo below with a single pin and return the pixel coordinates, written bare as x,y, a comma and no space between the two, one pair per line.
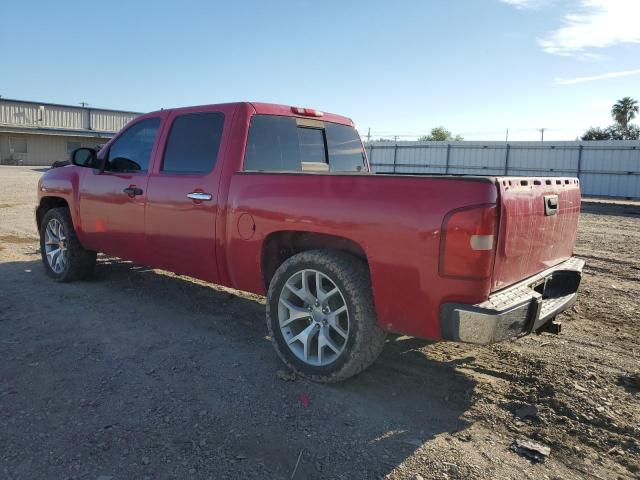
79,262
365,338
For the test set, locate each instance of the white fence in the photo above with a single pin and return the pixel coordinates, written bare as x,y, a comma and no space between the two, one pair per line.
610,168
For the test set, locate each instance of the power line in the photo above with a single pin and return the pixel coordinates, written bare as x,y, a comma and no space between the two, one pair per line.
498,134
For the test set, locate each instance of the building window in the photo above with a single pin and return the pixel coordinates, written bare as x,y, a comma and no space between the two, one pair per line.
71,146
17,145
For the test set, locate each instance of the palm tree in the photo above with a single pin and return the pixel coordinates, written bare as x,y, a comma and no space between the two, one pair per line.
624,111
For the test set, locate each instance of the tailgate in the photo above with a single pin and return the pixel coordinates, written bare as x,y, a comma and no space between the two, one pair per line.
537,229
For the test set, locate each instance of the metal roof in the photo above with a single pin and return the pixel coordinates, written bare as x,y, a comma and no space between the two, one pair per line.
88,107
56,131
37,117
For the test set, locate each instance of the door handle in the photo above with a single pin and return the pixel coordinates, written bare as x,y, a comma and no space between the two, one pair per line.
550,205
201,196
132,191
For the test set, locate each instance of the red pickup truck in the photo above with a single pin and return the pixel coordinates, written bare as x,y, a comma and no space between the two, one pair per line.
280,201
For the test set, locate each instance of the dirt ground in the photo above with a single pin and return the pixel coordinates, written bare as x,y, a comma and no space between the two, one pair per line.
138,373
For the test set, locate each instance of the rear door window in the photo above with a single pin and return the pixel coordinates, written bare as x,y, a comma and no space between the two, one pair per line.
278,143
193,143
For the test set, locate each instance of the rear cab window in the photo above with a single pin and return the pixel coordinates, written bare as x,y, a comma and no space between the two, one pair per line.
279,143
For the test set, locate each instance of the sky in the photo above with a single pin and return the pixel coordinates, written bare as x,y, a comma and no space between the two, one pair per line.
398,68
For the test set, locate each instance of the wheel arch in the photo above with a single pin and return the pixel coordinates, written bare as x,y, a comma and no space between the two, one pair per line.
46,204
278,246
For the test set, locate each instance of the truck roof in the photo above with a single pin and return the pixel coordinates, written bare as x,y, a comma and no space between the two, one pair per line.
274,109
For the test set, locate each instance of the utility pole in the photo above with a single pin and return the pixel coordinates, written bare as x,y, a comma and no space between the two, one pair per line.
506,137
369,135
541,134
84,104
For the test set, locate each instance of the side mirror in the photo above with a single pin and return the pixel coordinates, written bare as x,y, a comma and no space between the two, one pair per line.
84,157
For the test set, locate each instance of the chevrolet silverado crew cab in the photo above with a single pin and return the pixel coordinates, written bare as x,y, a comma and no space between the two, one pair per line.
280,201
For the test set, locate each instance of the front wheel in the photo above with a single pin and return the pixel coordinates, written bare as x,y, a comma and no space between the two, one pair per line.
321,317
63,256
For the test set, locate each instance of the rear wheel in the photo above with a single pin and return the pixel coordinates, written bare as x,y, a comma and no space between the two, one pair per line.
63,256
321,317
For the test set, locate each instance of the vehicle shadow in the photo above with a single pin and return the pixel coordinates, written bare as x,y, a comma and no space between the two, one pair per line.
182,369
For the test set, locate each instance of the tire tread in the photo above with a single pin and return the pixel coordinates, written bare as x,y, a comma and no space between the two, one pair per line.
354,274
81,261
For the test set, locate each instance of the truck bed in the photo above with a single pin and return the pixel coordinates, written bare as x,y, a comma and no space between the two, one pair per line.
397,220
528,240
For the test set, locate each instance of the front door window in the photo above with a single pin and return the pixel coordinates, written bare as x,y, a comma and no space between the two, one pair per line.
131,151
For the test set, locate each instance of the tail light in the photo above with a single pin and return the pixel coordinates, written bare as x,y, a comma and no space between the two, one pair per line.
309,112
467,244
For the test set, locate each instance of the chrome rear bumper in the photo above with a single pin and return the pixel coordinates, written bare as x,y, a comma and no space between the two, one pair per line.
515,311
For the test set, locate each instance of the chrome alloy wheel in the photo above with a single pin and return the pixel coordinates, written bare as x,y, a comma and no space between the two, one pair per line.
313,317
55,245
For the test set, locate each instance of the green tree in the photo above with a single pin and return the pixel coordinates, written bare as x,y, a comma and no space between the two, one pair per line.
440,134
596,133
624,111
612,132
632,132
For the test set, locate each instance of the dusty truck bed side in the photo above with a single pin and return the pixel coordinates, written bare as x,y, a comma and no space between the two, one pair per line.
394,222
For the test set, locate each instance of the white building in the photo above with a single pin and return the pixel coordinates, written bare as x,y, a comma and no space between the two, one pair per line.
38,133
